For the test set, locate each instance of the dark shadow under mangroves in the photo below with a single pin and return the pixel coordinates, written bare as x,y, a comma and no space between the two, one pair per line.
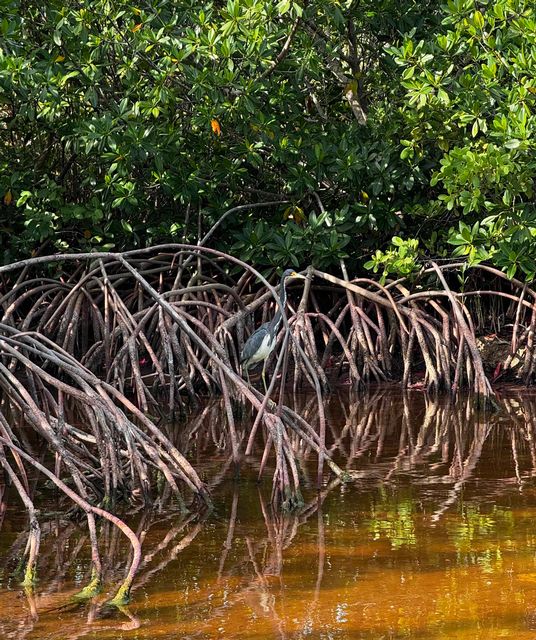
434,536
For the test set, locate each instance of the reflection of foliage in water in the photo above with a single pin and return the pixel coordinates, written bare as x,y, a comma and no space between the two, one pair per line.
476,535
418,530
392,517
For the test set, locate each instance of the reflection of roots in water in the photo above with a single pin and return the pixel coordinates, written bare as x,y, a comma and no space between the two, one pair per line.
379,434
62,535
376,437
63,555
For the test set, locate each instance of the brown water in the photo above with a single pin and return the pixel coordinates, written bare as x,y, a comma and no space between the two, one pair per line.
437,540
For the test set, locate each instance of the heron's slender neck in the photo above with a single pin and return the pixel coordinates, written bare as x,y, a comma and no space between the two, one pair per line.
276,321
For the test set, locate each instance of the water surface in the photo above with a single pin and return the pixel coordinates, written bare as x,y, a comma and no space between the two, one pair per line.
436,539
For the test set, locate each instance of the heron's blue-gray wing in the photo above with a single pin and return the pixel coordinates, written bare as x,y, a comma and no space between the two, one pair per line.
254,342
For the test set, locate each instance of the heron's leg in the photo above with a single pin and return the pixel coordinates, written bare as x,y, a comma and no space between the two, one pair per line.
264,378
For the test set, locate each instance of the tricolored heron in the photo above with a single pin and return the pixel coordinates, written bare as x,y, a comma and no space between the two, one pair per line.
261,342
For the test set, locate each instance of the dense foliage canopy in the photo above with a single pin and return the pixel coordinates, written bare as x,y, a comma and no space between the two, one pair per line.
393,128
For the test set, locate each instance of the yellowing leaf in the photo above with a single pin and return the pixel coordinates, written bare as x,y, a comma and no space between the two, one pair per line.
59,59
87,234
215,126
8,198
136,10
295,213
364,196
351,87
136,27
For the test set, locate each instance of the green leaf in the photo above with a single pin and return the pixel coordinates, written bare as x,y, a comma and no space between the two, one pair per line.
283,6
478,20
457,240
23,198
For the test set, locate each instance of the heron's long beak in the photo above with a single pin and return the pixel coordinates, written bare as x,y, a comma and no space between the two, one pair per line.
300,276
